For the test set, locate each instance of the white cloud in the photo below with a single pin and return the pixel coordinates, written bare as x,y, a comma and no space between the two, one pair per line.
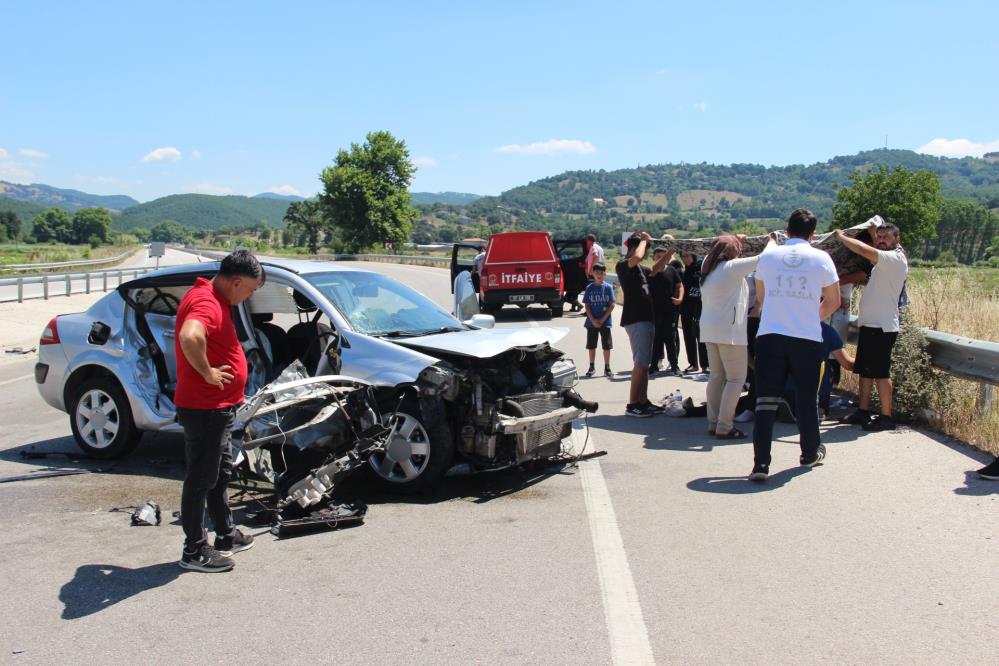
31,152
424,161
286,190
701,106
15,173
957,148
550,147
3,153
196,154
210,188
165,154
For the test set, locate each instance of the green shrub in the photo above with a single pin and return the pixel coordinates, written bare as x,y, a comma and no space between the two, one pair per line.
917,385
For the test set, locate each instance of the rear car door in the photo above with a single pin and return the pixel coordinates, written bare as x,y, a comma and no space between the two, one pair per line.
462,257
572,260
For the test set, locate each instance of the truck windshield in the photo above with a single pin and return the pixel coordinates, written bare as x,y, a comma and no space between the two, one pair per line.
378,305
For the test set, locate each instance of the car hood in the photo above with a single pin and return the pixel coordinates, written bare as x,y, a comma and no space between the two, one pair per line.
485,342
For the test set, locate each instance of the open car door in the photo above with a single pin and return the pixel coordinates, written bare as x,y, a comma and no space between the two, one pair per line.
572,259
462,258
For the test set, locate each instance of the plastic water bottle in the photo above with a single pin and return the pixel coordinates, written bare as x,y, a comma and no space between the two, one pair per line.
678,398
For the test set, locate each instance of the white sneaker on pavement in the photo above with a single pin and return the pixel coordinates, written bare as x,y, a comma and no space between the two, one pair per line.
745,416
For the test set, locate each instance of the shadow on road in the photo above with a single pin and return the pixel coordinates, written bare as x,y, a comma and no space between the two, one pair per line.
158,455
740,485
976,486
477,488
96,587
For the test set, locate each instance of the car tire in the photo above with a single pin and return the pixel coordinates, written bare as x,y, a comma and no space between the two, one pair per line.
419,454
101,419
557,310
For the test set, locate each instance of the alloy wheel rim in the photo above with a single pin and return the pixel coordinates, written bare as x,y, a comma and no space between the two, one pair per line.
407,452
97,418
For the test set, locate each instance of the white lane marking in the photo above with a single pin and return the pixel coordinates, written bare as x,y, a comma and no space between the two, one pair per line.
16,379
629,638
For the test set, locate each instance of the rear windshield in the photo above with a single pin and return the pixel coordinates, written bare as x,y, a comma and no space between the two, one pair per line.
520,248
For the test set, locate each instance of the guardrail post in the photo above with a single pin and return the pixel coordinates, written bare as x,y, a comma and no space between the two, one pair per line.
986,398
45,287
121,276
69,284
20,290
87,276
105,274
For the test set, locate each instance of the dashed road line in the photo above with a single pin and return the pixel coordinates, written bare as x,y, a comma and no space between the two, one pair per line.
16,379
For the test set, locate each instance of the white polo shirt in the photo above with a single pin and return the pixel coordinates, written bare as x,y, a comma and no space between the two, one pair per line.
794,275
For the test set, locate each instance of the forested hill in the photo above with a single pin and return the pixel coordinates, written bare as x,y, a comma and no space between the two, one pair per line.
204,211
733,193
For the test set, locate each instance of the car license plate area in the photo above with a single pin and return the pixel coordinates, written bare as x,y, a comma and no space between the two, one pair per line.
521,298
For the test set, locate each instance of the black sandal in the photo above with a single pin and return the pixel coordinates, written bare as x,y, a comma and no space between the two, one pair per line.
734,433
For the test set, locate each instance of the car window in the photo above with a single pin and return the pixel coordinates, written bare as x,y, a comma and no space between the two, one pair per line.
378,305
161,300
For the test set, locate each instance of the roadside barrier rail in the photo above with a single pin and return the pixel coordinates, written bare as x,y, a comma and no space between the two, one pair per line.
48,285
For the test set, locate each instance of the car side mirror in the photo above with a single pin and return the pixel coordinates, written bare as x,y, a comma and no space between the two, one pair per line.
482,321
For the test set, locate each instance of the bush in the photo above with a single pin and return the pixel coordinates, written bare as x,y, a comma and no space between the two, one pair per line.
917,385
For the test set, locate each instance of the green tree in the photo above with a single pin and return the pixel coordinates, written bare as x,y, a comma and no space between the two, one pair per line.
305,217
11,224
366,192
910,200
169,231
90,224
52,225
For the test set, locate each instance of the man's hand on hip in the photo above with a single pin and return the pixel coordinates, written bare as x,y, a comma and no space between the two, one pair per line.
219,376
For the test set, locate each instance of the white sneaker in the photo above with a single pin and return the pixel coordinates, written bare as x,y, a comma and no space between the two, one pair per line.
745,417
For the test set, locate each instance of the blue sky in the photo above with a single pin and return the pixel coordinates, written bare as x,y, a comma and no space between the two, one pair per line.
149,99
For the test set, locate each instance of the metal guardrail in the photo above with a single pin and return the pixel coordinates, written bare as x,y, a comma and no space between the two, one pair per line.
67,284
67,264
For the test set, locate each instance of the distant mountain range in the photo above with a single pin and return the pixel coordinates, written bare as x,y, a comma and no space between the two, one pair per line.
446,198
279,197
71,200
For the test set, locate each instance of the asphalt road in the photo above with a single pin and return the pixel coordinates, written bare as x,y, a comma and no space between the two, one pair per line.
888,553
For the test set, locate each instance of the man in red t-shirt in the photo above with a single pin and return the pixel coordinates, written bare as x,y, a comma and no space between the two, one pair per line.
211,377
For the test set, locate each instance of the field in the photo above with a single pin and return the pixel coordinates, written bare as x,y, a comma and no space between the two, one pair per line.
22,253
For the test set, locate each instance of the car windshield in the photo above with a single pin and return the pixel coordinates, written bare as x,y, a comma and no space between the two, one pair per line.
378,305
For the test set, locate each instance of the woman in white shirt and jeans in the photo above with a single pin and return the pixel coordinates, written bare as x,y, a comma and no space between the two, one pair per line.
724,294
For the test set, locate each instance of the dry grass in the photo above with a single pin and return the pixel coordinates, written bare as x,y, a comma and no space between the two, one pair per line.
691,199
962,302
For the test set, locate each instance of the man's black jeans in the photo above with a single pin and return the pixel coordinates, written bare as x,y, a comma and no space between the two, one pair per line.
777,358
207,439
697,351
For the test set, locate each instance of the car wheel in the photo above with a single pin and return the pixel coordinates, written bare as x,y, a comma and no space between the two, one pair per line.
101,419
419,452
557,310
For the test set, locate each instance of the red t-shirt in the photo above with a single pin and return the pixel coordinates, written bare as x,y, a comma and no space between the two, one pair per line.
214,312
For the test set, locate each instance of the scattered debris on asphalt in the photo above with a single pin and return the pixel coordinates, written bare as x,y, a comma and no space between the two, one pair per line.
45,475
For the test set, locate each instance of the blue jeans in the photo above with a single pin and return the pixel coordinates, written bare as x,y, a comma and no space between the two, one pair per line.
777,358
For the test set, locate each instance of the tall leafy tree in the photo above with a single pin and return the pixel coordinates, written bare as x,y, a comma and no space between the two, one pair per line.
305,217
169,231
910,200
366,192
966,228
52,225
11,224
90,224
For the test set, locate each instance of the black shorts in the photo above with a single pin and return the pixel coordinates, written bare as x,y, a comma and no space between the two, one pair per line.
605,338
874,353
